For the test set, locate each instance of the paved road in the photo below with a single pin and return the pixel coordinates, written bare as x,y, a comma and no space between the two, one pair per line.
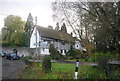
11,68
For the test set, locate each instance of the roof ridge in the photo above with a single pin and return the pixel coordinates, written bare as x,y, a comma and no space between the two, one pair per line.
45,27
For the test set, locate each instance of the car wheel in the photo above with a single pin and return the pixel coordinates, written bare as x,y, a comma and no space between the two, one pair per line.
11,58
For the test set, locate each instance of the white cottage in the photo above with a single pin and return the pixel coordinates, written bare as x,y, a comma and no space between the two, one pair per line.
41,39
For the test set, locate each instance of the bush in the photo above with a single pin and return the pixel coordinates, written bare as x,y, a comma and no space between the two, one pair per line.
57,57
26,60
104,66
73,53
46,64
96,56
54,53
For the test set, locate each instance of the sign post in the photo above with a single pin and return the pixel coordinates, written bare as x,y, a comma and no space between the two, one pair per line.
76,69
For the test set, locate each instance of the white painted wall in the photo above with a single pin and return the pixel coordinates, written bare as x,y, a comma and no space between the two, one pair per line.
42,44
45,51
33,39
78,45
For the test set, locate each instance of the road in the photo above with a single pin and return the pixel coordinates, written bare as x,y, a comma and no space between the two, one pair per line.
11,68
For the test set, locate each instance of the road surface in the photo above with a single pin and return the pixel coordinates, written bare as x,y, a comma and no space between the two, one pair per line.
11,68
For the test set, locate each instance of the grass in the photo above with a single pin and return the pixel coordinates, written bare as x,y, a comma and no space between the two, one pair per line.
63,71
59,71
63,67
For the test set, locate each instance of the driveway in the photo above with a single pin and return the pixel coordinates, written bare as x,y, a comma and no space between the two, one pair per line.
11,68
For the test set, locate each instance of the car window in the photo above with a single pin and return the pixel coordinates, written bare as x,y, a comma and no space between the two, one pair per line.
13,54
1,52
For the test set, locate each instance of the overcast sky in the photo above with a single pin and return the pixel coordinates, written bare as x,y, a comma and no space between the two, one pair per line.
40,8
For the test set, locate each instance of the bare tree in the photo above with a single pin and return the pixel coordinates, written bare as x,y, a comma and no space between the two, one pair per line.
96,22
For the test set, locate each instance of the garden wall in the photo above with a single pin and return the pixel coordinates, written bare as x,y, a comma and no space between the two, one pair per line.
26,51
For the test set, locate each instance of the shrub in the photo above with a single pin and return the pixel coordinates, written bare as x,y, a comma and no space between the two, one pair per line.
104,66
46,64
96,56
73,53
54,53
26,60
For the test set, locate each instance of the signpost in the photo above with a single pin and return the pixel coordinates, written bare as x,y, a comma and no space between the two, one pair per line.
76,69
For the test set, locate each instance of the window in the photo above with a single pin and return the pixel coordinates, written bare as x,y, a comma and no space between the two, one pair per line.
61,51
43,49
65,51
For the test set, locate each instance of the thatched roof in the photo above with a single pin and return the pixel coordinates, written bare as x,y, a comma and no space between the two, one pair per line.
51,33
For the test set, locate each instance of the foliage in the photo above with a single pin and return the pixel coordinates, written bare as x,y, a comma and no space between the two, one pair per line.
57,27
13,29
28,30
66,71
54,53
103,65
46,64
74,53
26,60
89,47
63,28
95,57
97,20
7,44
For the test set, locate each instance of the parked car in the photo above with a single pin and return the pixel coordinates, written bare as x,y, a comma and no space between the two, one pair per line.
12,56
2,53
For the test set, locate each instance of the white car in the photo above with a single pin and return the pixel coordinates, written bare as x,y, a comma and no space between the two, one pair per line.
2,53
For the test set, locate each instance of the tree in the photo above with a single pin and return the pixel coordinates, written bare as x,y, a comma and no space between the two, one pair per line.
103,18
63,28
28,29
70,13
96,22
57,26
13,29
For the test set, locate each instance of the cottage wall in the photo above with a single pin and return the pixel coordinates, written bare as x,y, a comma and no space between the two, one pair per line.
62,48
44,40
33,39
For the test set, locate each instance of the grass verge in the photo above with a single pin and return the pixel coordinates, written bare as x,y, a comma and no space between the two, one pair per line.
64,71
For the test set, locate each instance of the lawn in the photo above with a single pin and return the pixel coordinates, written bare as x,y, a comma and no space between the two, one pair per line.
63,67
62,71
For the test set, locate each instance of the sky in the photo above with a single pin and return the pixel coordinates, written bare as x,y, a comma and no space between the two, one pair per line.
42,9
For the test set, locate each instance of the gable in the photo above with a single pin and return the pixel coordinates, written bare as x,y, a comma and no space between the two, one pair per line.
33,38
